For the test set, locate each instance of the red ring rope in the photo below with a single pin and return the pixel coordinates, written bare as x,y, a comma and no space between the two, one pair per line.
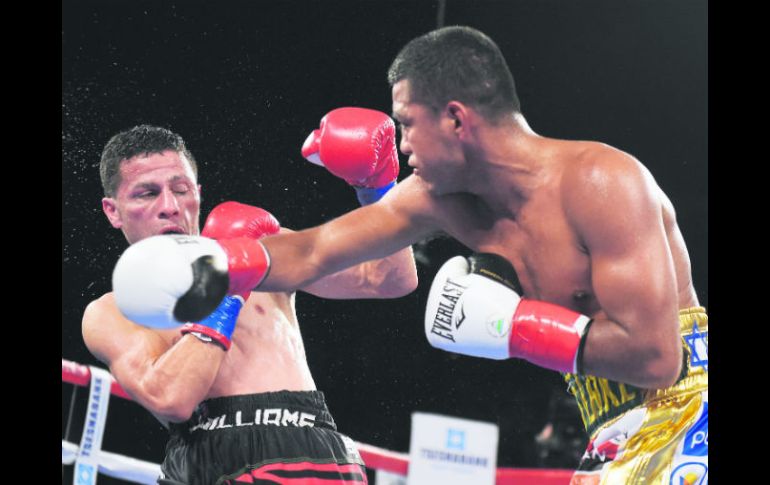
374,457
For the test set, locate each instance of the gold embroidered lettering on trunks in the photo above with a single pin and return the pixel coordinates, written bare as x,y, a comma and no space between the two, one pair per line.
600,400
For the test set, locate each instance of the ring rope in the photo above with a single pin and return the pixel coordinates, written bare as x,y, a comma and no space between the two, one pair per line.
139,471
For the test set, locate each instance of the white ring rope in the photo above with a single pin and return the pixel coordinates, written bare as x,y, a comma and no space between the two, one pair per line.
380,459
116,466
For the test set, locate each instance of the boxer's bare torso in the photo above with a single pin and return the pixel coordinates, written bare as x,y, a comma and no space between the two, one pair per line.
538,238
267,352
584,225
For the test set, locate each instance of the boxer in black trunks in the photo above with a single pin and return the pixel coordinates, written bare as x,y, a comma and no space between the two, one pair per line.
235,388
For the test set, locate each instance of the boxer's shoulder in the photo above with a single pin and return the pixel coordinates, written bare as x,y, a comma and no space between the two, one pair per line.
589,161
99,308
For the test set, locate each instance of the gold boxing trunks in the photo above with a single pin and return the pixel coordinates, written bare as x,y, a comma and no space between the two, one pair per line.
657,436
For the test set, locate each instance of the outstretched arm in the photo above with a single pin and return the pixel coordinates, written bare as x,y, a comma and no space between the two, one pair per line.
390,277
614,206
301,259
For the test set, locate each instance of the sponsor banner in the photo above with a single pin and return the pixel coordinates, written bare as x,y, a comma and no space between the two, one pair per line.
452,451
87,461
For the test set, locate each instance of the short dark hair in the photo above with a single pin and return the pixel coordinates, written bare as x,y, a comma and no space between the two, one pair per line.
457,63
139,140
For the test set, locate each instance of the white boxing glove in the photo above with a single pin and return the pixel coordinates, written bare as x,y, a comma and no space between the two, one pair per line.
168,280
475,308
468,313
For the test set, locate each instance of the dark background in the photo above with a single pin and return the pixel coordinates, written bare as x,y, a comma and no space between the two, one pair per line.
244,82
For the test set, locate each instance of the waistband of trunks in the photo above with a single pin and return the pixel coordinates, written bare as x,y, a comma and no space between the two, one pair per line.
281,408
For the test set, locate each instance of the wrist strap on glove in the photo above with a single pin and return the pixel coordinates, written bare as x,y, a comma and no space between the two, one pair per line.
370,195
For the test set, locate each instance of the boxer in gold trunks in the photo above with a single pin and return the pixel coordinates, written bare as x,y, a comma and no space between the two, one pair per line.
580,265
649,435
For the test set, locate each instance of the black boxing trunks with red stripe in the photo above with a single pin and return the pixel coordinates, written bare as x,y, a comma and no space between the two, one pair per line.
286,438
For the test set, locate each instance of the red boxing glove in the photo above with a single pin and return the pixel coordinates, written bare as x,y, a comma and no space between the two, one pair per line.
232,220
357,145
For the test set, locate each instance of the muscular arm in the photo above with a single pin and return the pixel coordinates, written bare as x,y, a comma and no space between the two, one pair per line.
612,203
389,277
382,230
168,380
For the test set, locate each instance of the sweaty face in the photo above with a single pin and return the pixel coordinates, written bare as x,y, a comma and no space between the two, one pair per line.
428,139
158,194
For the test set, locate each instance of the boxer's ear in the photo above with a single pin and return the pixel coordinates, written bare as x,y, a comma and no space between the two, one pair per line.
110,209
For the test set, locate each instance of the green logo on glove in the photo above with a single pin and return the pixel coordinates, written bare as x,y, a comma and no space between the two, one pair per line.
498,327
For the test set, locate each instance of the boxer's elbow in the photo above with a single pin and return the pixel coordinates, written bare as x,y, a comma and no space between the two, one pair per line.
399,274
661,367
402,283
391,280
176,411
171,406
179,415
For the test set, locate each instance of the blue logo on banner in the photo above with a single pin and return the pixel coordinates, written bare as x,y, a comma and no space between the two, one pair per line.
696,441
455,439
699,347
85,474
